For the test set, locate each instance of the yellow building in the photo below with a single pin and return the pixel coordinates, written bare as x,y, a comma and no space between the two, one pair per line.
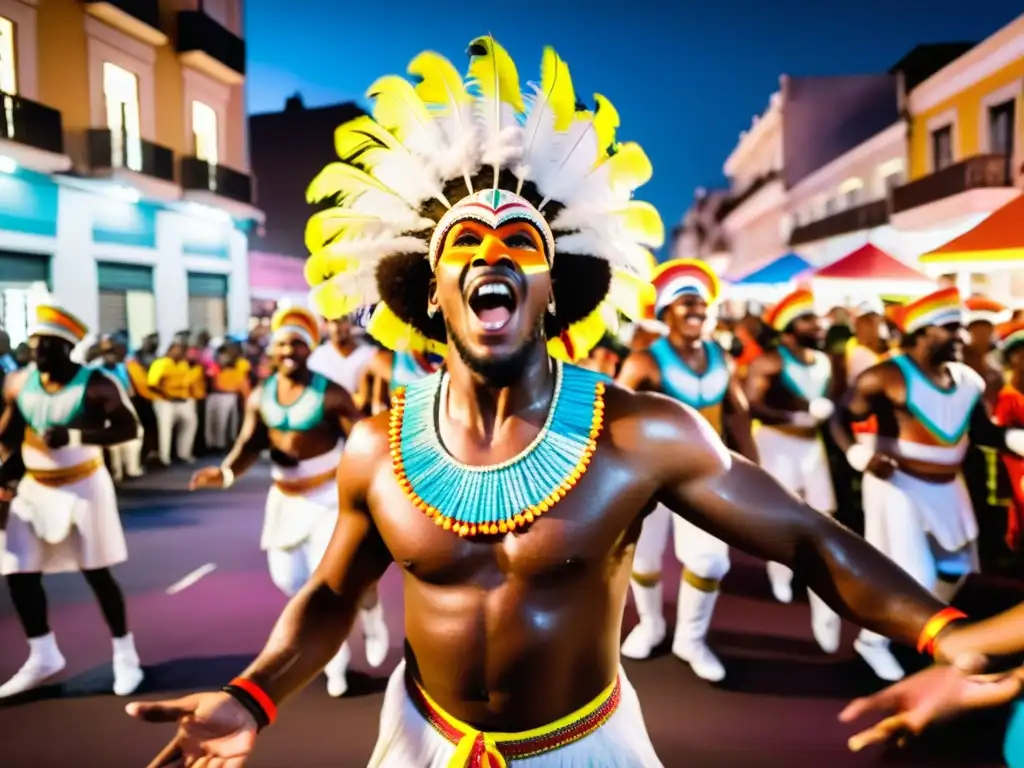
124,163
966,152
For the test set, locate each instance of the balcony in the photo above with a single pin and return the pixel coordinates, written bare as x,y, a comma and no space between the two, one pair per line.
200,176
138,163
138,18
32,134
979,184
205,45
861,217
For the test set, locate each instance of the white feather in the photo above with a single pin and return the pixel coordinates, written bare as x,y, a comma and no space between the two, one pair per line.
576,152
413,178
541,141
395,212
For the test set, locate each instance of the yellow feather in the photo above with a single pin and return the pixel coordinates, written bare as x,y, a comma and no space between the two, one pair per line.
440,82
556,84
329,300
343,182
631,294
491,67
360,134
643,223
326,226
606,121
396,106
629,166
387,328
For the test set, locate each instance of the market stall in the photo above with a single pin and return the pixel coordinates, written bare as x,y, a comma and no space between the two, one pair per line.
867,275
770,282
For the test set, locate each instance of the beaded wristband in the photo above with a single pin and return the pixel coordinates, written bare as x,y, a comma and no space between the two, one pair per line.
254,699
935,625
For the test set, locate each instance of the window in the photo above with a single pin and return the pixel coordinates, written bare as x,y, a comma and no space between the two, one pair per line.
208,313
942,148
850,192
830,206
1001,128
8,70
204,132
121,93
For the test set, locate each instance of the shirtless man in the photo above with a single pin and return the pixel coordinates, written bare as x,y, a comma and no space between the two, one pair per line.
687,366
302,418
509,488
788,388
928,408
390,371
57,419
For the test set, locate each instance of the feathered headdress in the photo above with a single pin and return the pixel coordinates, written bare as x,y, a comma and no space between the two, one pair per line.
446,149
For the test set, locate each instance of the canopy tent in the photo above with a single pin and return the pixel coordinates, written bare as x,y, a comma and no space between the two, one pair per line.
770,282
999,238
865,275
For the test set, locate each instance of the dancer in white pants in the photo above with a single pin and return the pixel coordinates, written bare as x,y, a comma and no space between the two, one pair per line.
928,407
789,390
169,380
686,365
302,418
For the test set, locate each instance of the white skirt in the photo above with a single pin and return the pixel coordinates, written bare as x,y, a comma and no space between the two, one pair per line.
408,740
75,527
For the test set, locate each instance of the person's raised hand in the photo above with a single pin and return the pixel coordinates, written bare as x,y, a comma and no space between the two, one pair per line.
213,729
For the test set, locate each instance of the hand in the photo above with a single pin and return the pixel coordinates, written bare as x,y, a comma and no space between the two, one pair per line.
919,701
207,477
6,495
882,466
213,729
57,437
283,459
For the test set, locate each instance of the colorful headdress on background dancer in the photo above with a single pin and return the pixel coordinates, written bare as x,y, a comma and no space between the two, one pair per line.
445,150
1011,336
52,320
982,309
799,303
299,321
940,307
676,278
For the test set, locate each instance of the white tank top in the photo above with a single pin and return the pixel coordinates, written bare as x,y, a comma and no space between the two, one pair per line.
343,371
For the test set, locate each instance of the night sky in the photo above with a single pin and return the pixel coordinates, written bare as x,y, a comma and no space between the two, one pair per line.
685,82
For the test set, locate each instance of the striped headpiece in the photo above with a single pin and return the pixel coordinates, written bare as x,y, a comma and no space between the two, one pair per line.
55,321
296,320
941,307
681,276
798,304
981,309
1011,335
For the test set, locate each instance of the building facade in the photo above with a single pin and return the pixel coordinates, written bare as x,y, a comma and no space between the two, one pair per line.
125,189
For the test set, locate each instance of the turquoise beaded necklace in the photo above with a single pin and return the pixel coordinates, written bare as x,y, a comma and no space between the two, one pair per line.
498,498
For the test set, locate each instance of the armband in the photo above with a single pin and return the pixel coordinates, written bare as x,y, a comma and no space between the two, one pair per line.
228,477
1014,440
821,408
934,626
859,456
254,699
74,438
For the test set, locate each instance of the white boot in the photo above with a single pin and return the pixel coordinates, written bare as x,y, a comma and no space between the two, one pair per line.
874,649
693,617
128,673
44,661
375,633
825,623
781,579
336,671
649,633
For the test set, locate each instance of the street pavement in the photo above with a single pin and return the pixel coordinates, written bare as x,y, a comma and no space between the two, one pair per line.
201,604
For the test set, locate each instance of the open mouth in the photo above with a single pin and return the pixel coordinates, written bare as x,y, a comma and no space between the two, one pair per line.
493,300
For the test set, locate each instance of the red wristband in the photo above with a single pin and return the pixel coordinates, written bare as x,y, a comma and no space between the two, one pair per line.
259,695
935,625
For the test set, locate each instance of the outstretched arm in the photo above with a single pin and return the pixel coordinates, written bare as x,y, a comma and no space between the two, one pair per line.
756,385
252,438
738,502
984,431
320,616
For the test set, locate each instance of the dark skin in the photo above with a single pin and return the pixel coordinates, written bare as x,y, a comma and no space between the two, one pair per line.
976,353
685,318
379,371
882,391
512,632
175,353
771,402
105,420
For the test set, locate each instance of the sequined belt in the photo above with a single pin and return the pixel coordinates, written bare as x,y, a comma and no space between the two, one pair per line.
475,749
300,485
56,478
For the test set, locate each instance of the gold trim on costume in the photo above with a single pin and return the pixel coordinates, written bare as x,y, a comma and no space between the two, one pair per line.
301,485
699,582
646,579
57,478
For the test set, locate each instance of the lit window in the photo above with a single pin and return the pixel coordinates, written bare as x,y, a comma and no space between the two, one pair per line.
121,92
204,132
8,71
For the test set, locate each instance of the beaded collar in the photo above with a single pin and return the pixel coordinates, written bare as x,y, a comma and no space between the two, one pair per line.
470,500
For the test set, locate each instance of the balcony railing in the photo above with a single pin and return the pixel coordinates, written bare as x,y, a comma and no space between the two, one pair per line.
146,11
752,189
979,172
865,216
199,175
32,124
114,150
198,32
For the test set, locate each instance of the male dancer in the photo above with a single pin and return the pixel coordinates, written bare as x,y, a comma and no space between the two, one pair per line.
688,366
343,360
393,370
303,418
126,457
869,343
57,419
1009,412
928,407
789,389
508,487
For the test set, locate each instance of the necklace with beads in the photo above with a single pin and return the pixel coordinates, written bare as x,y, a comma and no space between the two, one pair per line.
469,500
